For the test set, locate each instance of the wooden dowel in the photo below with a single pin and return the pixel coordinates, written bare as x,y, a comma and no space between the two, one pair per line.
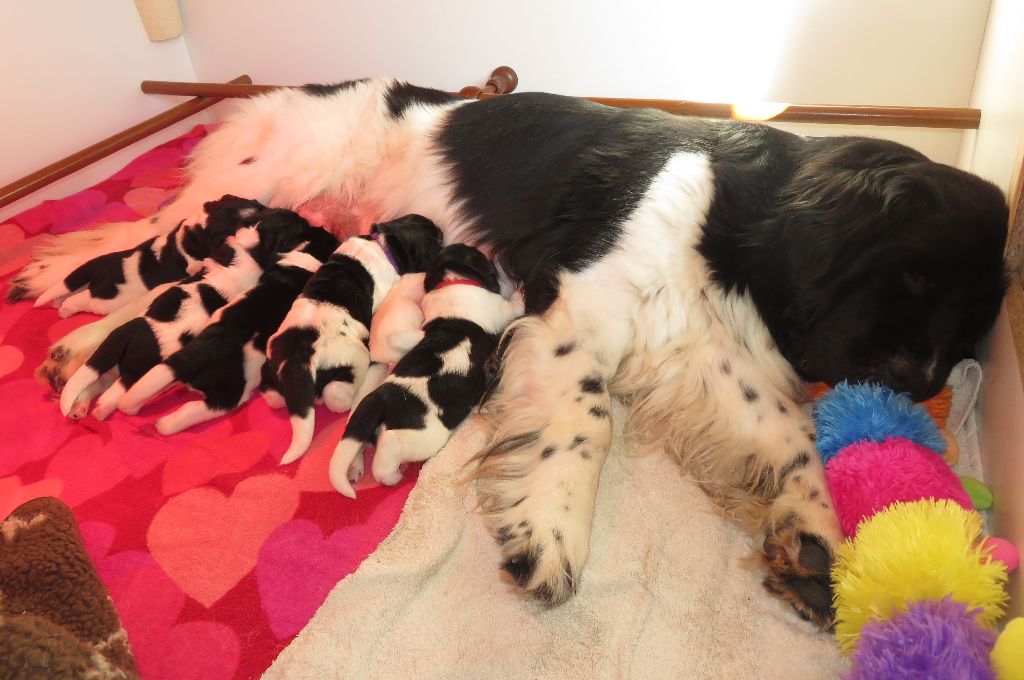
503,80
64,167
903,116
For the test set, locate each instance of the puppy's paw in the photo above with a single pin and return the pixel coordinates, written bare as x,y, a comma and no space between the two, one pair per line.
799,567
59,365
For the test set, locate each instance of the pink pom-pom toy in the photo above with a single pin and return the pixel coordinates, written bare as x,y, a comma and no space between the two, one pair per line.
1003,551
867,477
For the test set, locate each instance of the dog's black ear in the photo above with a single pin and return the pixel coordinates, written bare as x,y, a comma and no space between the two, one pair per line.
413,241
321,243
465,261
279,231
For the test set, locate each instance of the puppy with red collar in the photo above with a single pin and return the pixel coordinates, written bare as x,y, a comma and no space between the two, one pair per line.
180,312
225,360
107,282
320,351
436,385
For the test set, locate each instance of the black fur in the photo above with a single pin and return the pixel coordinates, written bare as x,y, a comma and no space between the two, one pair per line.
560,176
400,96
464,261
317,90
413,241
865,260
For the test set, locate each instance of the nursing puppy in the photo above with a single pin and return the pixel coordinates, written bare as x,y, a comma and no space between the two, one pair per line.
439,381
224,361
320,351
179,313
105,283
398,324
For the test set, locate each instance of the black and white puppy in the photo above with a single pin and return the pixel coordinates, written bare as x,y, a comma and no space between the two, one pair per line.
179,313
436,385
320,350
224,361
106,282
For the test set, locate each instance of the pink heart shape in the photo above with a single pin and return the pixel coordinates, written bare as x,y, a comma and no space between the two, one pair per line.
297,568
149,604
11,359
146,200
14,249
214,452
33,421
13,494
98,465
300,548
209,650
206,541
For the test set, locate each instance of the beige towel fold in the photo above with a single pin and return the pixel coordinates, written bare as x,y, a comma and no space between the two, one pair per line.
664,594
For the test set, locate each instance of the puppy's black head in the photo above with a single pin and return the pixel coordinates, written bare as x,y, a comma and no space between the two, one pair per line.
279,231
465,261
223,217
413,240
894,265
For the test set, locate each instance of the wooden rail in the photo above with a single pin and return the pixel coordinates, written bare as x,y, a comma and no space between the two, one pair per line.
503,80
76,161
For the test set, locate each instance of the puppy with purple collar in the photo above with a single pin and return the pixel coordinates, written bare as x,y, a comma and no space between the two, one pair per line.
107,282
180,312
436,385
224,361
320,351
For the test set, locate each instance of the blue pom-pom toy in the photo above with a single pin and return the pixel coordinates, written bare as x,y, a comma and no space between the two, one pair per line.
931,640
848,414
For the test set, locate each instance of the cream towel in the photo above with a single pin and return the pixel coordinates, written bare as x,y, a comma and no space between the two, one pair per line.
664,594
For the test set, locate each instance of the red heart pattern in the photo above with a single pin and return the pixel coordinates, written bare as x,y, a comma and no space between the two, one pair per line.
194,534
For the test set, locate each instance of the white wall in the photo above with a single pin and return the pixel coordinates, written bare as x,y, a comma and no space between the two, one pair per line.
995,152
913,52
70,77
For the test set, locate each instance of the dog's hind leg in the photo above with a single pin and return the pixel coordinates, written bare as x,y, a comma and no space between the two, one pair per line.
395,448
538,478
190,414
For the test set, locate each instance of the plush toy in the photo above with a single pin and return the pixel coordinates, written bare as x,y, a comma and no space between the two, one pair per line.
918,589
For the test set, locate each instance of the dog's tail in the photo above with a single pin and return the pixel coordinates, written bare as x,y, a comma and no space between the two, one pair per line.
361,429
298,387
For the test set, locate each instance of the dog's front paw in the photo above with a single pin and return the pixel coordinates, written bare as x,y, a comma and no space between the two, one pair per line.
799,567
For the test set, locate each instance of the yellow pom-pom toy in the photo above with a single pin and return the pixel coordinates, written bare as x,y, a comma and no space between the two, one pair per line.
1008,654
925,550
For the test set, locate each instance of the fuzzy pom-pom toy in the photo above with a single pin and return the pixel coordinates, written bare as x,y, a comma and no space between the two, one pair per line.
1008,654
911,552
867,477
932,640
866,412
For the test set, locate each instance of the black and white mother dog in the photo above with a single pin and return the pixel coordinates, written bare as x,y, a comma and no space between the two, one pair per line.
700,268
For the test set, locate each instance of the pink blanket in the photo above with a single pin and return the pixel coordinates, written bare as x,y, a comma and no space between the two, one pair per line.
214,555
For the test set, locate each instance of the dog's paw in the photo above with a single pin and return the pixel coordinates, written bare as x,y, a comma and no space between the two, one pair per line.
59,365
541,556
799,567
